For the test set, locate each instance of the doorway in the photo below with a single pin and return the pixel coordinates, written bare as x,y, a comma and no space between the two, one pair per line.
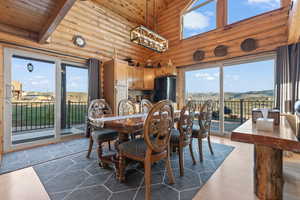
236,87
35,89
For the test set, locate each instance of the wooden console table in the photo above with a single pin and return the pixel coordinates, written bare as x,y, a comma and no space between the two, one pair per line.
268,148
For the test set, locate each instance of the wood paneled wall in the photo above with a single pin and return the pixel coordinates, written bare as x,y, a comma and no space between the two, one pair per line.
106,34
269,29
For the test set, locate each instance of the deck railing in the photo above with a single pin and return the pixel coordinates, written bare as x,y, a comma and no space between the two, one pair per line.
237,110
27,116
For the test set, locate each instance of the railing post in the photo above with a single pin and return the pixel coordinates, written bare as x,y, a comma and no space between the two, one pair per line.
69,114
241,110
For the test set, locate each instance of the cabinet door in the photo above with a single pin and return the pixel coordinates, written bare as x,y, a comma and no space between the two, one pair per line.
140,78
149,79
121,73
130,77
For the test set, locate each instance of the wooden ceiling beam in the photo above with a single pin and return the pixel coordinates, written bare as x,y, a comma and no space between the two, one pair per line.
62,9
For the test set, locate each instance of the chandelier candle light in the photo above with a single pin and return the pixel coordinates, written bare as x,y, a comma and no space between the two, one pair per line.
149,39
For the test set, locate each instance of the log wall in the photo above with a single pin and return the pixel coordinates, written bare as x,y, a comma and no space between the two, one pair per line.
106,34
269,29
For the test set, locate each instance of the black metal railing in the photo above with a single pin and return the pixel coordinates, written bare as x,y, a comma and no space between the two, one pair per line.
28,116
237,110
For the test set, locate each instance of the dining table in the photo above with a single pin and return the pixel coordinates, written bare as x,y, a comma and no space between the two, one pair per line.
126,126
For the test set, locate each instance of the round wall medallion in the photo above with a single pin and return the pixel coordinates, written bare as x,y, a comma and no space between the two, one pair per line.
79,41
198,55
249,45
221,50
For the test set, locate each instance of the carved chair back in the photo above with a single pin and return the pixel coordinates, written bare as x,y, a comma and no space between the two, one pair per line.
126,107
186,120
98,108
205,115
158,125
146,105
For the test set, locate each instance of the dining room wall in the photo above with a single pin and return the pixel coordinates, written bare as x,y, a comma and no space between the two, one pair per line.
268,29
106,34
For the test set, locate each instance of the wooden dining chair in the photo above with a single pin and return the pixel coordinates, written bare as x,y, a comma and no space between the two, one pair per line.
181,137
154,146
202,129
145,106
97,109
126,107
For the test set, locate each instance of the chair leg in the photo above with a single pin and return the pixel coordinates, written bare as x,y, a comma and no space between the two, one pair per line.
192,152
200,149
121,167
109,146
99,150
169,168
147,164
181,160
209,145
90,147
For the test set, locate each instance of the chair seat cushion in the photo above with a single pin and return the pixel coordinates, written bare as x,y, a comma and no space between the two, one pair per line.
175,135
104,134
135,147
197,131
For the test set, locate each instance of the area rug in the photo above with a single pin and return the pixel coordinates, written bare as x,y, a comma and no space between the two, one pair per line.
27,158
77,178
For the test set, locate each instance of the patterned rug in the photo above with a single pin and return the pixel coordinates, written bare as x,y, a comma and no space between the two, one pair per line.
27,158
75,177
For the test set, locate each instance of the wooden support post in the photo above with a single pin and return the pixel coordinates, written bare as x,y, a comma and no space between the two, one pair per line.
268,176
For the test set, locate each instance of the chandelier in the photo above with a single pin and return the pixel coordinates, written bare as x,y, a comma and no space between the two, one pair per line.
149,39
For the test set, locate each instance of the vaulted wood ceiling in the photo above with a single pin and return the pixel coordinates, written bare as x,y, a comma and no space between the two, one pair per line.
37,19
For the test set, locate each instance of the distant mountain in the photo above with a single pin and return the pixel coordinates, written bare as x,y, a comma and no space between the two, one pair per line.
263,94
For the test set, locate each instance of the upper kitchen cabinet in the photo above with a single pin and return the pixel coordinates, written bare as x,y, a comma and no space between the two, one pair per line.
149,75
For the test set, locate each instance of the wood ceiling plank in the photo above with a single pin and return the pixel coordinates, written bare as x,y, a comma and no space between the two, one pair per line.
62,9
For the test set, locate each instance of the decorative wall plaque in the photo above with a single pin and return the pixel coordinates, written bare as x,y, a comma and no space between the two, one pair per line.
221,50
198,55
249,44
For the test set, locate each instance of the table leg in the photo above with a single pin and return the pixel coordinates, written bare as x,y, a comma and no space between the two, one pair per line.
268,175
123,137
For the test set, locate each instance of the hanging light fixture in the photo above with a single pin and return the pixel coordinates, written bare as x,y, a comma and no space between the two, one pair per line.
149,39
30,67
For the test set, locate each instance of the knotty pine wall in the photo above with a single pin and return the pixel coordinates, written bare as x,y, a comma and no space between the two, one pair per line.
105,32
269,29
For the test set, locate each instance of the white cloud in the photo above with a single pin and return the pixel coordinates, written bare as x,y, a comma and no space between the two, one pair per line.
205,76
40,82
265,3
195,20
39,77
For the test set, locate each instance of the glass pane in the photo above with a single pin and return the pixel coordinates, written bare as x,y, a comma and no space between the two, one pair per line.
243,9
74,99
33,88
202,85
201,20
247,86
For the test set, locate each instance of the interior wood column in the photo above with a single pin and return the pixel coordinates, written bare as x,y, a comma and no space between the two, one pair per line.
221,13
268,175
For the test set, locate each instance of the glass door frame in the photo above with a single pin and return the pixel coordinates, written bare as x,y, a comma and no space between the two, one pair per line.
8,55
221,65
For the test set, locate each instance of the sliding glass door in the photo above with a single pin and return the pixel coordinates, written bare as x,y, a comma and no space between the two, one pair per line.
235,86
204,84
74,99
45,98
247,85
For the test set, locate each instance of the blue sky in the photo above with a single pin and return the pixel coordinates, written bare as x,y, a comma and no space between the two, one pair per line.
42,78
203,19
254,76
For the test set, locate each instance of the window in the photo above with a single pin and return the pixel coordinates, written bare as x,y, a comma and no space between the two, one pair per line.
243,9
198,18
